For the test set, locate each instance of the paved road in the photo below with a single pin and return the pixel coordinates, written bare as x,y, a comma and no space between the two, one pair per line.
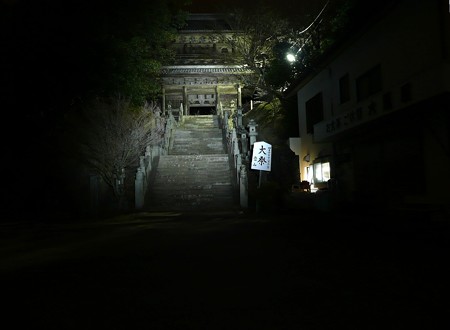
223,271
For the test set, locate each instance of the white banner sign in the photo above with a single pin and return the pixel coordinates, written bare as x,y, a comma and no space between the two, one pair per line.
262,156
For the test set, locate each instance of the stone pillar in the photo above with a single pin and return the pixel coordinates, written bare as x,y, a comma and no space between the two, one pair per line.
243,185
164,101
218,101
185,100
238,164
148,151
244,146
139,189
239,96
170,130
225,120
252,131
235,143
142,166
154,152
148,159
180,113
239,117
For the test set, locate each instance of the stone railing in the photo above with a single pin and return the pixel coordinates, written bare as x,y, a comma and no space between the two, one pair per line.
149,161
177,113
239,141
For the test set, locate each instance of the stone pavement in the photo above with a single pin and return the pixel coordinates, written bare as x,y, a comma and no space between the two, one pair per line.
228,270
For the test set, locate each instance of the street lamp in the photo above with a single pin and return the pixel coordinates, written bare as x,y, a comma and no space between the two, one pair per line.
290,57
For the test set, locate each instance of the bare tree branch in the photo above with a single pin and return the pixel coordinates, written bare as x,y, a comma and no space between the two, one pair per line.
112,135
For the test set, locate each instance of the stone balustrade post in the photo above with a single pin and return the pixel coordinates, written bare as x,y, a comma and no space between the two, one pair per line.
252,131
225,120
148,151
239,117
139,189
243,187
243,139
143,168
238,164
148,160
180,114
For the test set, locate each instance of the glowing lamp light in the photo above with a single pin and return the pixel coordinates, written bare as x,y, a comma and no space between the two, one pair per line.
290,57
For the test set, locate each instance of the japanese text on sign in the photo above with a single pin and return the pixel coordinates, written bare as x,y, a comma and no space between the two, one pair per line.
262,156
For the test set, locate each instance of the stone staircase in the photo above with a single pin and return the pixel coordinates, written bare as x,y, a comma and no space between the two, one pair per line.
195,175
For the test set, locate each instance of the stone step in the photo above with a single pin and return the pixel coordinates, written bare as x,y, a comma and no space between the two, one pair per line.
192,171
190,198
199,124
198,135
194,149
219,190
183,160
188,124
193,168
196,173
194,178
180,134
204,119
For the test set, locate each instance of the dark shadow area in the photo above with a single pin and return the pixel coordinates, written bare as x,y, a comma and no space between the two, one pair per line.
226,270
202,111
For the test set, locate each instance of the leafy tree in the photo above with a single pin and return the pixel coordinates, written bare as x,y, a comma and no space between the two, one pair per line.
264,35
132,40
58,56
256,32
65,52
325,28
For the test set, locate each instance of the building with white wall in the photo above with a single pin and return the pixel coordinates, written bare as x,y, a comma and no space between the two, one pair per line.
374,116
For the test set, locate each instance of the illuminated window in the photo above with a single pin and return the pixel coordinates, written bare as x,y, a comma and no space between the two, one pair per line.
322,172
318,172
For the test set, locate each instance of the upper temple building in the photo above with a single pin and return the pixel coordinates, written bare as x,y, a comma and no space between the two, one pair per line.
205,77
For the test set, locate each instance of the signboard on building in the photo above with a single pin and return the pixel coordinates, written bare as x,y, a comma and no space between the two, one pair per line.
262,156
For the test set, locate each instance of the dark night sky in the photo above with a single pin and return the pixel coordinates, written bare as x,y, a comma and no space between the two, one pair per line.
289,7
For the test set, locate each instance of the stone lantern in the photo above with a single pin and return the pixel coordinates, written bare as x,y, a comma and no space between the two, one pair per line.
252,131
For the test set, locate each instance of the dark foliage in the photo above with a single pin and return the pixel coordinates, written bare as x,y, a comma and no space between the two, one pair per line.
56,56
